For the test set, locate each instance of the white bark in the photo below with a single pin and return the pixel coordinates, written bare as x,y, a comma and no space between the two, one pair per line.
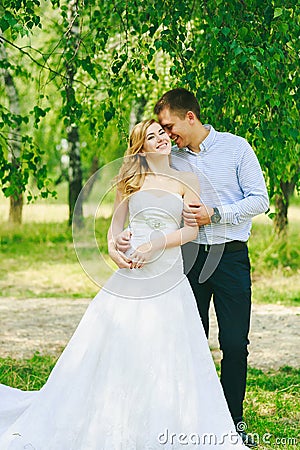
16,201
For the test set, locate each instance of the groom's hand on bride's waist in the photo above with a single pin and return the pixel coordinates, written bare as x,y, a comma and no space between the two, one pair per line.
123,241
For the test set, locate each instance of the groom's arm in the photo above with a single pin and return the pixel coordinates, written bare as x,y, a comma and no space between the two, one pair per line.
122,241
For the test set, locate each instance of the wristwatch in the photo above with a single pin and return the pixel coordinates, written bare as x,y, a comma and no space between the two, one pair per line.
216,217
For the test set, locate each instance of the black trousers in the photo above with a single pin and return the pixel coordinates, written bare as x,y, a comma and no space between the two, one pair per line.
230,287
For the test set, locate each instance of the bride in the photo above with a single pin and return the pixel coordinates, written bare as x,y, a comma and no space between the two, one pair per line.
137,374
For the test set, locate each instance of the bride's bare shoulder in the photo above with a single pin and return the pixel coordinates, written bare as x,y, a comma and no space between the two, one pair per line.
186,177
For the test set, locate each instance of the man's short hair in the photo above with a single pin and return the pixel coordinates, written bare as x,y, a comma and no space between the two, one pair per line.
179,101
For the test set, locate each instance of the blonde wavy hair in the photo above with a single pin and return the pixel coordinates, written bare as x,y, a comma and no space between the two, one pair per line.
134,168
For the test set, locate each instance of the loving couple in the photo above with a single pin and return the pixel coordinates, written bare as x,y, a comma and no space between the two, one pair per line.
138,374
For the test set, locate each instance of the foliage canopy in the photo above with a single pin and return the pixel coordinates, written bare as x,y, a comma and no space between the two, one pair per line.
240,58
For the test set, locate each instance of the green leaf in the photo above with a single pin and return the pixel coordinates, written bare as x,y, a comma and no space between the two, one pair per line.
294,133
109,113
144,28
225,31
237,51
4,25
243,32
152,30
10,18
155,76
158,44
283,27
277,12
268,14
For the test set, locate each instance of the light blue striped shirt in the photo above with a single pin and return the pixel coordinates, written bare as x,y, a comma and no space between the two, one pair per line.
230,179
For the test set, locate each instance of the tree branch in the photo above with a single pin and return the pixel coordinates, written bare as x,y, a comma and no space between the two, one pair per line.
43,66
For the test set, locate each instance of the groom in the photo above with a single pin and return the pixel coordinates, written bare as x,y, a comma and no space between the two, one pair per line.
233,191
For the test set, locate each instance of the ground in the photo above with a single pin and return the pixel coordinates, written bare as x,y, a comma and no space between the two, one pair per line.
45,325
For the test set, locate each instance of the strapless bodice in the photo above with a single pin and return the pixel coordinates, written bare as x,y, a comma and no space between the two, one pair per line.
154,210
151,212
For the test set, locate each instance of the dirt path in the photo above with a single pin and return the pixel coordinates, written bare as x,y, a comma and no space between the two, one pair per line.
46,325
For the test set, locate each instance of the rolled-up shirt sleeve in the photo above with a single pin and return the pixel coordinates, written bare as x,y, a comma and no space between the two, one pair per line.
253,189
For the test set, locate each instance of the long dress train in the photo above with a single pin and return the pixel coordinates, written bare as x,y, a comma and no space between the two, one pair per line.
137,374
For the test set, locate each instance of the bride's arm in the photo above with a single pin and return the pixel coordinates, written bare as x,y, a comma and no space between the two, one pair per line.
116,227
144,253
191,192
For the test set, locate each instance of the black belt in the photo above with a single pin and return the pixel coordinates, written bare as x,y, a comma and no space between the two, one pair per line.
232,246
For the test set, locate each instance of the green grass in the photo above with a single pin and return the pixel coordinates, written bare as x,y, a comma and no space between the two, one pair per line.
269,251
295,199
39,260
26,374
271,406
275,263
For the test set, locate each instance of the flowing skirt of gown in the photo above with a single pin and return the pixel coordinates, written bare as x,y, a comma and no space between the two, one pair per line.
136,375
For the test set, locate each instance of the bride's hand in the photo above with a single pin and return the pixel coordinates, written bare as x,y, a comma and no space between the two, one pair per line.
119,258
142,255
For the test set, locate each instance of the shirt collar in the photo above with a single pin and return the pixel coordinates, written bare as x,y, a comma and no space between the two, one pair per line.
207,142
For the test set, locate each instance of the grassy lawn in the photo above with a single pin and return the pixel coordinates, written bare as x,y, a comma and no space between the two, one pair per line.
275,263
39,260
271,406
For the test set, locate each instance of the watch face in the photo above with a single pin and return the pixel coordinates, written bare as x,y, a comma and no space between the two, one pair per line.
216,217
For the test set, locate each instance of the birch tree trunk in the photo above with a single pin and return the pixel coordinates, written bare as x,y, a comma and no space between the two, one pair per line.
16,200
137,111
282,206
75,170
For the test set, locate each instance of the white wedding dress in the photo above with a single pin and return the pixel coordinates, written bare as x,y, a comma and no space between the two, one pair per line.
137,373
